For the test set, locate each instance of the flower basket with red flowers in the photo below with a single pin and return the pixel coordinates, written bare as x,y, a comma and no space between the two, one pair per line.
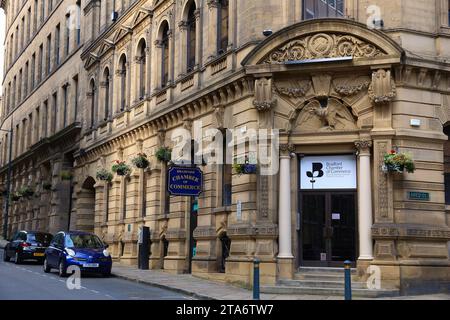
398,162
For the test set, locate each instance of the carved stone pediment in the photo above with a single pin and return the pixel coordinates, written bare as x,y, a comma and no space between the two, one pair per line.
323,45
317,116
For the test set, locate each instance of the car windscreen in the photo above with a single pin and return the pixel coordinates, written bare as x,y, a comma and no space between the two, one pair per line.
83,241
42,238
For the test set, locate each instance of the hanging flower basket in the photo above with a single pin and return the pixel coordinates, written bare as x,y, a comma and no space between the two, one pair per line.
141,161
245,168
104,175
121,168
47,186
398,162
164,154
66,175
26,192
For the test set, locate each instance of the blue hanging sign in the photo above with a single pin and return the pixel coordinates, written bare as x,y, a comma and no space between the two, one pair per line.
184,181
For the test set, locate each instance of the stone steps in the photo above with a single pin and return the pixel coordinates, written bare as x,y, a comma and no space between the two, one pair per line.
325,282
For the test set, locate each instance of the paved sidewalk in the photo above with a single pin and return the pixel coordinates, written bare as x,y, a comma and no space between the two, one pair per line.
200,288
210,290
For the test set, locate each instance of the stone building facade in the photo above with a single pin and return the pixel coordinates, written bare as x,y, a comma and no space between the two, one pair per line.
344,82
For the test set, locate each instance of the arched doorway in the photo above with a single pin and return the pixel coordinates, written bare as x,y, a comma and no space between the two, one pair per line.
86,206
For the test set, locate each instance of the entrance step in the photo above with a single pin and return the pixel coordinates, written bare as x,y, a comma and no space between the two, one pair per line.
360,293
333,284
326,282
216,277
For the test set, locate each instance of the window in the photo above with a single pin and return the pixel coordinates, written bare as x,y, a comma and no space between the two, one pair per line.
165,55
44,120
191,38
65,100
123,82
93,102
33,70
141,58
49,49
227,173
41,62
78,24
54,113
67,40
222,26
57,44
313,9
106,89
447,165
76,90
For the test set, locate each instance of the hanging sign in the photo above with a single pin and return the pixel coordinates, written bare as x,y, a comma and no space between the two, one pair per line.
184,181
328,172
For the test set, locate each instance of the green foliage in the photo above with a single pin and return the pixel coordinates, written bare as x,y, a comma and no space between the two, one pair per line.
164,154
141,161
398,162
104,175
121,168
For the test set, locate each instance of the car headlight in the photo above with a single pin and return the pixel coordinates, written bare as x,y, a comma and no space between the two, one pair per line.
70,252
106,253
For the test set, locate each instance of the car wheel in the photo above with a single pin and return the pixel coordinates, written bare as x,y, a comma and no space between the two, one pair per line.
5,256
62,269
47,268
18,258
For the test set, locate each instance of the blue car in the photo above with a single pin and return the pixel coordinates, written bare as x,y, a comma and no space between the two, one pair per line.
81,249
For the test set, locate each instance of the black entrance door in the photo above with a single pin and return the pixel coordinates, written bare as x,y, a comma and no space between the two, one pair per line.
328,228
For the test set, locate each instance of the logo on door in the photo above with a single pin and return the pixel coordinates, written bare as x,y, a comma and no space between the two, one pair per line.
316,172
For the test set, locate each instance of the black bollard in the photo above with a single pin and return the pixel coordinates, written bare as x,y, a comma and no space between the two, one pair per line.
348,280
256,293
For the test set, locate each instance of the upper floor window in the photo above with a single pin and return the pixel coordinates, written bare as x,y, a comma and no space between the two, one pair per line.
123,82
191,37
313,9
165,55
142,66
222,26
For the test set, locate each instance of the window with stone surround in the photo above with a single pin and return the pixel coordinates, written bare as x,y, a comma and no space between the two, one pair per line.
191,37
223,25
314,9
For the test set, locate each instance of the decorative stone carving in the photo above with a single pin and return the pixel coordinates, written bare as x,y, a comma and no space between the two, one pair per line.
322,84
363,145
323,45
263,95
382,90
219,112
286,149
294,89
350,87
332,116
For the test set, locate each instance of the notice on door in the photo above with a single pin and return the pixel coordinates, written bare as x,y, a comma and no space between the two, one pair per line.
328,172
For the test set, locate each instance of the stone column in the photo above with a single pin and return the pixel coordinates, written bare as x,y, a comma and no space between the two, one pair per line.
284,212
198,38
365,200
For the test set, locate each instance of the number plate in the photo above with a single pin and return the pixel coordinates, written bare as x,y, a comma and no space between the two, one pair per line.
38,254
90,265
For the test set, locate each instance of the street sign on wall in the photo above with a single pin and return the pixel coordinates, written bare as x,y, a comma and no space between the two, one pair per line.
183,181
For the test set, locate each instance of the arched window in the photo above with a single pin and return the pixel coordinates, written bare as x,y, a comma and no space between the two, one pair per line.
142,65
165,54
93,102
106,89
222,26
191,37
123,82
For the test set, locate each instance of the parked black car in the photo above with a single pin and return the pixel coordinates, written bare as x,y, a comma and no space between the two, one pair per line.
27,245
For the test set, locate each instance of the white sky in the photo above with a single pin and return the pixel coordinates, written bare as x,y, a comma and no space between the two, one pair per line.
2,36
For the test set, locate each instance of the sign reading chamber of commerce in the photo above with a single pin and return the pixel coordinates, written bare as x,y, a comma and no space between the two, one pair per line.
328,172
184,181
